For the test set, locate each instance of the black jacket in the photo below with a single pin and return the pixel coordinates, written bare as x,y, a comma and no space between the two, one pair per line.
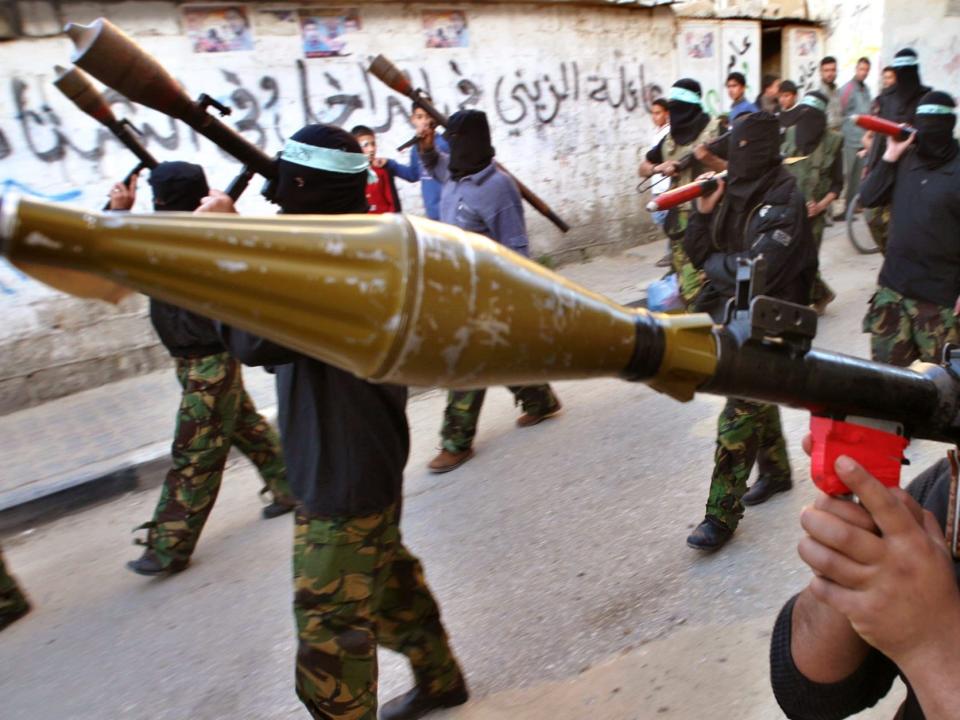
922,261
183,333
802,699
776,227
345,440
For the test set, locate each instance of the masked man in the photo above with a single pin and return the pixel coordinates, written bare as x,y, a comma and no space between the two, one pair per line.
913,313
477,196
817,155
346,441
759,210
682,156
899,104
215,413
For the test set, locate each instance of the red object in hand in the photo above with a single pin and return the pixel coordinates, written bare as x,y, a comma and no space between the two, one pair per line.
682,194
886,127
878,451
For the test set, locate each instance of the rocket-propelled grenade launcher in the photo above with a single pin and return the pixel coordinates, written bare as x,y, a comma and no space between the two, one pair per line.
684,193
885,127
388,73
406,300
80,90
115,59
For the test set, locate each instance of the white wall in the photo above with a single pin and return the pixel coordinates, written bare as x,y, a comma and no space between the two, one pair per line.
933,32
566,89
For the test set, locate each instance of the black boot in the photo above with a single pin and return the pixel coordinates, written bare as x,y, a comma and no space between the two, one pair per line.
149,564
711,534
416,703
276,509
15,607
766,487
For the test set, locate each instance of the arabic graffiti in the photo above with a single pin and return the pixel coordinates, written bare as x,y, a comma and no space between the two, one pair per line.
542,97
264,111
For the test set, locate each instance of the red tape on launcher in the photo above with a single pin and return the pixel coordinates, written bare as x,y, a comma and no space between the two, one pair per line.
876,445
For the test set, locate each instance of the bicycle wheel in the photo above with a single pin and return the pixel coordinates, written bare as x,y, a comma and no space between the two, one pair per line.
858,231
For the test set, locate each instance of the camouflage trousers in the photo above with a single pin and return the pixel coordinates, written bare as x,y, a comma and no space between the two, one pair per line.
355,587
215,414
690,280
820,290
463,412
13,603
747,432
904,330
878,222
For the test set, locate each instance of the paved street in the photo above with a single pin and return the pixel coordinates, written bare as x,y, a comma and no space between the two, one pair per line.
557,555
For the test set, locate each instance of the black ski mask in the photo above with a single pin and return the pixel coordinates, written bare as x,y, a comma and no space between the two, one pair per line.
687,118
811,122
754,153
178,186
469,136
935,120
907,69
306,189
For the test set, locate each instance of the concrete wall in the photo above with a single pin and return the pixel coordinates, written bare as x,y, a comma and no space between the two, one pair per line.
567,90
934,33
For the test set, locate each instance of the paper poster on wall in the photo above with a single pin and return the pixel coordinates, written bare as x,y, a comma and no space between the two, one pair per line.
698,49
218,28
445,28
325,33
803,50
740,53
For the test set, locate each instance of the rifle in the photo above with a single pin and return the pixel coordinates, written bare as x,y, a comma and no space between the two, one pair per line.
410,301
684,162
385,71
80,90
111,56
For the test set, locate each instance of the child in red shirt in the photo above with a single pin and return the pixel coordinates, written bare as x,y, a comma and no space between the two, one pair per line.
382,194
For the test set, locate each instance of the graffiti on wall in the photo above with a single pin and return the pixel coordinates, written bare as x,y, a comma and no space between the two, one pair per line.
264,111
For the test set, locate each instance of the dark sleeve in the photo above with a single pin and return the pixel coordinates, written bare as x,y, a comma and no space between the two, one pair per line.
783,236
719,147
655,154
876,188
696,239
803,699
836,172
437,162
252,349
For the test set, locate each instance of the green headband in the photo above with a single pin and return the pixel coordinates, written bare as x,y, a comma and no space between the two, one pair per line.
683,95
814,102
936,110
905,61
321,158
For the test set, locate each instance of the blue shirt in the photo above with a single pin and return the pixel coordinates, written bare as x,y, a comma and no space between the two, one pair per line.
417,172
487,202
744,106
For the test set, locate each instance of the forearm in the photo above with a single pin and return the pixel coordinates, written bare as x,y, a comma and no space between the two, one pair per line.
712,162
646,169
932,674
877,186
824,646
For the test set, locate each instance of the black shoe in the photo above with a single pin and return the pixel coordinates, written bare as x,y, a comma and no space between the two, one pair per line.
666,261
149,564
14,614
276,509
711,534
766,487
416,703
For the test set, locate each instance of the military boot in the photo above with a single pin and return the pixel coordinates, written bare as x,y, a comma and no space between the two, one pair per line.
766,487
447,461
417,702
709,535
13,606
149,564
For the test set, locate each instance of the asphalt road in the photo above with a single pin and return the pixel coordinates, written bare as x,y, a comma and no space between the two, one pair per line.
557,555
